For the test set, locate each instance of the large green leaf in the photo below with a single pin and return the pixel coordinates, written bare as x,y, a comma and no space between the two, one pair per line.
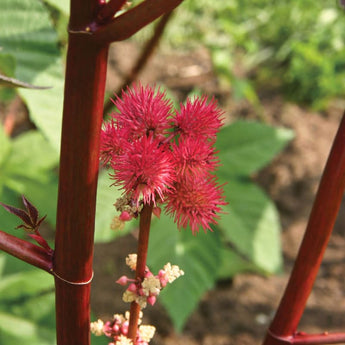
18,330
105,210
29,283
31,156
27,307
61,5
27,170
33,45
233,263
198,256
5,147
251,224
8,221
245,147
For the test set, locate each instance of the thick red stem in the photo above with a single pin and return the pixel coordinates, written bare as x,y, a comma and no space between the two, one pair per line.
26,251
304,339
127,24
319,229
82,118
143,243
108,10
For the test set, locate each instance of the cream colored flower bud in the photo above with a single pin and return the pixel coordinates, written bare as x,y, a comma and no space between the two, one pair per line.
131,261
172,272
146,332
151,285
96,327
122,340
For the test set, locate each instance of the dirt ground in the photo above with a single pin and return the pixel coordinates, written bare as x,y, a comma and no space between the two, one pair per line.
239,311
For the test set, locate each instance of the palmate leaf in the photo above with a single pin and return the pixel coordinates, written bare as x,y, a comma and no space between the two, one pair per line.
33,46
28,283
251,224
245,147
198,256
19,330
27,170
26,305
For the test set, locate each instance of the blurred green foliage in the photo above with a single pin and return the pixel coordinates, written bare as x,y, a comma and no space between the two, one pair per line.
296,47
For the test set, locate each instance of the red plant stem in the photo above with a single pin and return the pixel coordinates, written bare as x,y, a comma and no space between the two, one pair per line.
319,229
127,24
143,243
26,251
304,339
109,10
325,338
82,118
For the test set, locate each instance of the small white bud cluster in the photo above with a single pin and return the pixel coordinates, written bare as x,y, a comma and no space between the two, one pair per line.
146,290
172,272
96,327
146,332
131,261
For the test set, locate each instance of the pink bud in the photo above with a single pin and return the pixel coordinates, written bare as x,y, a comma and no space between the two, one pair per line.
116,328
124,328
151,299
148,273
122,280
163,282
132,287
125,216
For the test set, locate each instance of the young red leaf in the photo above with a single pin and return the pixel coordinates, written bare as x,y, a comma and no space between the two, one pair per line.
18,212
41,241
32,210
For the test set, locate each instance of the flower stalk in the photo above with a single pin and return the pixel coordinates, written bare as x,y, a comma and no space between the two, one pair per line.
143,243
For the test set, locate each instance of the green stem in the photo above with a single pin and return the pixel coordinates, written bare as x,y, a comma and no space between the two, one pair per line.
143,243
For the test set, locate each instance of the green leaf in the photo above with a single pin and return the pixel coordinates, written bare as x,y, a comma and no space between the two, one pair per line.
105,210
245,147
16,330
61,5
5,147
198,256
31,155
7,65
2,263
28,171
251,224
233,263
9,221
43,194
28,283
33,45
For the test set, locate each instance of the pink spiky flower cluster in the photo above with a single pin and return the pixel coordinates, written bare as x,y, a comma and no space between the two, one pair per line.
161,155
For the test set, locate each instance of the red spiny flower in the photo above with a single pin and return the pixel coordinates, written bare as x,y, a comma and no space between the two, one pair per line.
195,202
112,139
144,169
194,156
143,111
197,118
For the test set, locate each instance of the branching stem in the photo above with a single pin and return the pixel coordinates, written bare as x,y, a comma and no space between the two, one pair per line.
26,251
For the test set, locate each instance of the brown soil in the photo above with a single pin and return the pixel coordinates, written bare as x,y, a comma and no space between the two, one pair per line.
239,311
